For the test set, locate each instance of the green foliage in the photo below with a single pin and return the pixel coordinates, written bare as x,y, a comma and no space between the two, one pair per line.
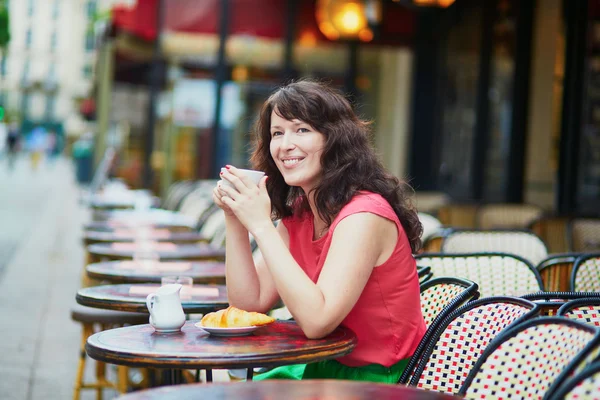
4,24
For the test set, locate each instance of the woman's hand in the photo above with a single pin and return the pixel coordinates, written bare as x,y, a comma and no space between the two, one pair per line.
217,198
249,202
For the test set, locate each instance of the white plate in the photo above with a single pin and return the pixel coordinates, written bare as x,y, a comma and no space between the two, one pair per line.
242,331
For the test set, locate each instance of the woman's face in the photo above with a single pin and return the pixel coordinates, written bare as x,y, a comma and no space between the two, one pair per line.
296,149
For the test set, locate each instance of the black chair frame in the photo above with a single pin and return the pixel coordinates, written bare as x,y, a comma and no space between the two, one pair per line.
512,332
582,259
561,392
570,305
534,311
470,293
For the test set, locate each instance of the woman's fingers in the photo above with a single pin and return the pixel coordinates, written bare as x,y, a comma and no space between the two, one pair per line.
229,192
238,179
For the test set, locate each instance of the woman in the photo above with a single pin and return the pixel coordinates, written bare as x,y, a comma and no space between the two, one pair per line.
343,252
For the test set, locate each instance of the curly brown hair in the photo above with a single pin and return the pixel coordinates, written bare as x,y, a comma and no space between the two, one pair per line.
349,162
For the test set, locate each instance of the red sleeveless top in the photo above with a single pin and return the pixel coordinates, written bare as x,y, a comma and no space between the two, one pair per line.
387,317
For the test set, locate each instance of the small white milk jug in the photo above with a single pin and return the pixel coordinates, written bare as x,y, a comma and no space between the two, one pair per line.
166,312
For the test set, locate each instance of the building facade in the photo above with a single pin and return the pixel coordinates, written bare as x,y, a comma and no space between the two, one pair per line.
50,59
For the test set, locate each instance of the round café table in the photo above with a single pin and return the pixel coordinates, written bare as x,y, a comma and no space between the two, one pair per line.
131,235
135,272
322,389
152,215
280,343
119,202
165,251
132,297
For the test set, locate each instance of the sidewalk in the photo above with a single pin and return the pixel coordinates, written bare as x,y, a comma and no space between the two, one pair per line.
41,260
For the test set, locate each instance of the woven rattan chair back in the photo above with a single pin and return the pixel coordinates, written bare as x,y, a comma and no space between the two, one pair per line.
511,216
556,271
584,310
584,234
496,274
439,297
531,359
462,337
585,385
552,229
586,274
521,243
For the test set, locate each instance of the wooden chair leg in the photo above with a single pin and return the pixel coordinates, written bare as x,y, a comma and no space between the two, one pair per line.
87,330
100,378
122,379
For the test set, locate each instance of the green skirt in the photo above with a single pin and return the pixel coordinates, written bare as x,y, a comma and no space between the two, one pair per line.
331,369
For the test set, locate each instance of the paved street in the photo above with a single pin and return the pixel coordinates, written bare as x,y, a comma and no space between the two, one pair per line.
41,259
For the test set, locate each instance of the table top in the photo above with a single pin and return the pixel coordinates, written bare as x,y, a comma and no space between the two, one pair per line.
134,272
322,389
165,251
118,202
153,215
132,297
130,235
280,343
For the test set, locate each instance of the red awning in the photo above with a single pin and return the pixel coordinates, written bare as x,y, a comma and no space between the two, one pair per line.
262,18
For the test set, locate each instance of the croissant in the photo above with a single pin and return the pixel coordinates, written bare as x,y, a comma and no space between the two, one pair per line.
232,317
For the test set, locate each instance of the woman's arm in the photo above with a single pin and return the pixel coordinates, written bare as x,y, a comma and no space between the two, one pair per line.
250,286
354,252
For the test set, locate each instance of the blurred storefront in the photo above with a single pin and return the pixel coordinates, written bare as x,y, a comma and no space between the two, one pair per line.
483,101
504,103
286,44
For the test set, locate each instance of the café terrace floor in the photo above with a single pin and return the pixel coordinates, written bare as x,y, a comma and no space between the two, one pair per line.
41,261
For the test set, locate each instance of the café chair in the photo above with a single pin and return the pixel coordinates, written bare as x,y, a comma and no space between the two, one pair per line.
583,234
530,359
507,216
584,385
552,229
439,297
94,320
522,243
585,310
586,274
497,274
556,270
461,338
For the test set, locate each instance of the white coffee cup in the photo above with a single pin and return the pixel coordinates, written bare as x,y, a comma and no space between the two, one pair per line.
255,176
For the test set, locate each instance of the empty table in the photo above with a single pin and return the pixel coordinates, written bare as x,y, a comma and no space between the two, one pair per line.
125,297
127,271
164,250
131,235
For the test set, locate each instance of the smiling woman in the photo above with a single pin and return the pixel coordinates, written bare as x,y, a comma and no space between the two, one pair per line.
343,252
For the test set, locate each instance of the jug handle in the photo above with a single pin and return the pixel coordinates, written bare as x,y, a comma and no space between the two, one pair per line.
150,300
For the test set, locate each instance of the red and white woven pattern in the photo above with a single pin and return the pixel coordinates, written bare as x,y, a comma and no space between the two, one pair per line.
587,278
495,275
435,298
524,244
588,389
525,365
588,314
462,342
